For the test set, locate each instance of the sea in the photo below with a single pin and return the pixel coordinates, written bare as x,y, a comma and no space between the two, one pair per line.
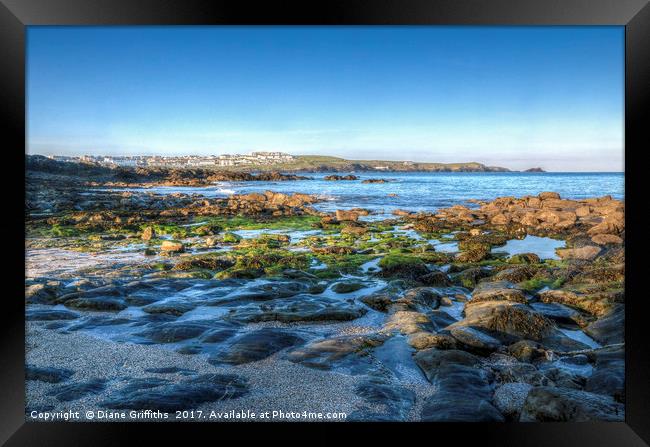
420,191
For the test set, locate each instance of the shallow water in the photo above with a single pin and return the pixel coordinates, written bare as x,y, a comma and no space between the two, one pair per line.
544,247
580,336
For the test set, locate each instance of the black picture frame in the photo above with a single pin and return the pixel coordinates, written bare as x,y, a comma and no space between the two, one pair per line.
15,15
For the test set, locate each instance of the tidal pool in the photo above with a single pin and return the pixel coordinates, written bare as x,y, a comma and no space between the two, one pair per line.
544,247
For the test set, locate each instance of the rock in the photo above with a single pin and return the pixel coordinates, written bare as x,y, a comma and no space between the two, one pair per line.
375,180
255,345
462,391
148,233
470,277
342,215
97,303
507,321
171,332
218,335
396,400
354,230
377,301
527,351
231,238
610,328
435,279
605,239
497,291
474,339
420,298
323,354
211,241
179,396
431,361
78,390
170,307
548,195
474,254
41,293
47,374
407,322
515,274
299,308
50,314
591,304
509,398
546,404
425,340
347,287
217,263
500,219
587,252
560,313
608,376
440,319
341,177
334,250
172,247
405,267
524,258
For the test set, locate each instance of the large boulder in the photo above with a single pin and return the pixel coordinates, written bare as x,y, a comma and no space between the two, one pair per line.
462,392
507,321
546,404
609,329
608,376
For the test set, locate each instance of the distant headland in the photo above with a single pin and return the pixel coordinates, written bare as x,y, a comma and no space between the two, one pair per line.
277,161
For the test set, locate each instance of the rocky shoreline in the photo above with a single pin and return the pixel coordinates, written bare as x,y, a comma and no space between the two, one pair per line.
263,301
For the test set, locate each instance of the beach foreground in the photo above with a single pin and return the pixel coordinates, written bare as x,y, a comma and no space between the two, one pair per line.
488,310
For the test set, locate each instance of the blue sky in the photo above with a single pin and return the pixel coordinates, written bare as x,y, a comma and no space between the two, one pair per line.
509,96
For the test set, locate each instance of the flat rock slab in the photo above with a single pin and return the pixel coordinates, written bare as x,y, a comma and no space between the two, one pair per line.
255,345
47,374
103,303
462,394
559,313
179,396
300,308
50,314
74,391
396,400
325,354
171,332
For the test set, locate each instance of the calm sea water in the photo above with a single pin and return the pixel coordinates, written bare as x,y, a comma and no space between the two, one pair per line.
418,191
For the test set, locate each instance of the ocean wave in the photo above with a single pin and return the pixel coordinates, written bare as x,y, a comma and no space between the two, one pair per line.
226,191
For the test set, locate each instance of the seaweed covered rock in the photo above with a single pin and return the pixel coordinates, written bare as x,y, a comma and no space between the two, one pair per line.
402,266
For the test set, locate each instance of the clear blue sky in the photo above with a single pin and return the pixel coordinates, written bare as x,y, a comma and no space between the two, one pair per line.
510,96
